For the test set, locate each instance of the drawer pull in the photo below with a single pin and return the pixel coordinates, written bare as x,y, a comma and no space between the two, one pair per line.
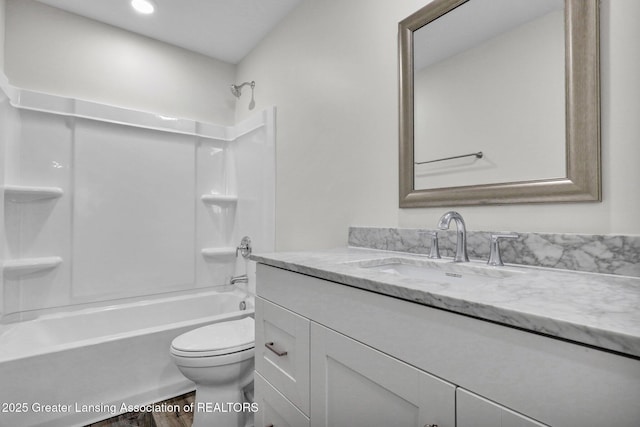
271,346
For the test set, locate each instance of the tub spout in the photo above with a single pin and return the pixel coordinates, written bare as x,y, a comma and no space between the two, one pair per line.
243,278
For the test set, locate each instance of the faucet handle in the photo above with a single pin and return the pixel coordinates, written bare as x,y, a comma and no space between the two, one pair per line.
245,247
434,252
495,258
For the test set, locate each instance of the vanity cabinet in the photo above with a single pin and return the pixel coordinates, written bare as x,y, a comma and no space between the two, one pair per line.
372,360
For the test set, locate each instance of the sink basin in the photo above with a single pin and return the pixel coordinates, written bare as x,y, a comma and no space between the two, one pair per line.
437,270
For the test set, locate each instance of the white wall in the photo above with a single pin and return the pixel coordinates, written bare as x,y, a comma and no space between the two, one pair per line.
4,106
61,53
2,25
331,67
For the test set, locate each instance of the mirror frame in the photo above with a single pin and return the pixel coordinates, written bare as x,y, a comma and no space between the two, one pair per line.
582,118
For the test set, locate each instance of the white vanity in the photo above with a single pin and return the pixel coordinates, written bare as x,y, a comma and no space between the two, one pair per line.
339,343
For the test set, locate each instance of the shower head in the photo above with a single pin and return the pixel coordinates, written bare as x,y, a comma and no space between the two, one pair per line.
236,90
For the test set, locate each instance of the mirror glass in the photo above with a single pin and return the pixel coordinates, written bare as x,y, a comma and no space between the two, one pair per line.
498,67
488,107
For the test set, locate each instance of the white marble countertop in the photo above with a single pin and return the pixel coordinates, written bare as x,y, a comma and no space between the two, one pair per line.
599,310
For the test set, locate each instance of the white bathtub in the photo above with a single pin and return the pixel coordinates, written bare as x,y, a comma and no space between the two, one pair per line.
87,363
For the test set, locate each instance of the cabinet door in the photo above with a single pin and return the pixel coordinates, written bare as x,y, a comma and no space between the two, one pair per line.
475,411
282,351
354,385
274,408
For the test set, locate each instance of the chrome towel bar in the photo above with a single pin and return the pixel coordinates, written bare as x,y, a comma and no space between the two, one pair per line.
477,155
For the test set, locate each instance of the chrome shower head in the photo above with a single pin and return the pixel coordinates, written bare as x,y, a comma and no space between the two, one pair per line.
236,90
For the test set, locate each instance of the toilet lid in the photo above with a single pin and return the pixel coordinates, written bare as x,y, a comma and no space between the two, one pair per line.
216,339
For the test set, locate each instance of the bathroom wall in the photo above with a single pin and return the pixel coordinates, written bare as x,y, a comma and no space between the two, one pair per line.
57,52
331,67
4,103
2,25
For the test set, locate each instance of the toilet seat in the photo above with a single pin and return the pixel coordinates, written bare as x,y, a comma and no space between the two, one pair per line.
218,339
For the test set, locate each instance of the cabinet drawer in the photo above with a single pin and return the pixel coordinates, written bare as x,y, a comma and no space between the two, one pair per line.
274,409
282,351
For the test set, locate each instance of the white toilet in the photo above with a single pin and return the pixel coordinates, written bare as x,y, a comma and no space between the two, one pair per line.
219,359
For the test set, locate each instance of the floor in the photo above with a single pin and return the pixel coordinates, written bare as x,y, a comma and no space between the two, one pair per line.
155,419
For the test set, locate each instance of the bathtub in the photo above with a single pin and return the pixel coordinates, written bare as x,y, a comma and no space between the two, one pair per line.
76,367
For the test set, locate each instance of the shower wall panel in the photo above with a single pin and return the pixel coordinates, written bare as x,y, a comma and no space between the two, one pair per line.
5,124
133,216
216,216
254,151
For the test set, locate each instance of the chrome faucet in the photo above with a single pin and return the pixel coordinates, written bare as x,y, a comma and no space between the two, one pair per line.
461,243
243,278
245,247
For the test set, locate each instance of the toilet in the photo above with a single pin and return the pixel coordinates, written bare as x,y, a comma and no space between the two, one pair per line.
219,359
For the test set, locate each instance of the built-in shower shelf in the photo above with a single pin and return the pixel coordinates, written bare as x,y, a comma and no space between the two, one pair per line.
21,194
23,266
218,252
219,199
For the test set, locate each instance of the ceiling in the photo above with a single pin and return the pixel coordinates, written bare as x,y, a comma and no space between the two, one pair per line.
222,29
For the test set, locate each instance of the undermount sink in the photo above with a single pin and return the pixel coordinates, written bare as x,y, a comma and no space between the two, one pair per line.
441,270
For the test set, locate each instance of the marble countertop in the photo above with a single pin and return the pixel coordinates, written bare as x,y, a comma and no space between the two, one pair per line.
599,310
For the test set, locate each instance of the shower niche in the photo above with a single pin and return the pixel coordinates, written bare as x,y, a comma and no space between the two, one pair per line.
103,203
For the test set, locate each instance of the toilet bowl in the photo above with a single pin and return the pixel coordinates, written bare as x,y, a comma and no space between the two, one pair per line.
219,359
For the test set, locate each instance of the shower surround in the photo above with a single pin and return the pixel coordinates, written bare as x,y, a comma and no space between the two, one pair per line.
103,203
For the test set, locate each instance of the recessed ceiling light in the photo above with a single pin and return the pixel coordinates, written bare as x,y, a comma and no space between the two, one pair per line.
146,7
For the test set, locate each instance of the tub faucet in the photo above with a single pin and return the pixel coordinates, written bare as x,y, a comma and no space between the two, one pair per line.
243,278
461,243
245,247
